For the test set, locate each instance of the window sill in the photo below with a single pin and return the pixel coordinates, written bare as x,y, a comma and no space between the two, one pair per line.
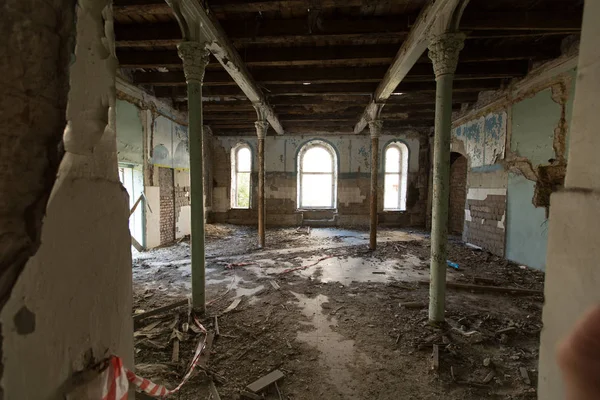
317,209
394,211
240,208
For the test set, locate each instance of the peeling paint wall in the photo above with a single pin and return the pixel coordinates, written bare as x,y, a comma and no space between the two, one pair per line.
152,133
354,159
76,289
538,141
516,148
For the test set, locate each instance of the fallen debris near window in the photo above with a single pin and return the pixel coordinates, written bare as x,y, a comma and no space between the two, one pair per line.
278,391
525,375
493,289
378,272
275,285
250,395
488,378
217,333
414,305
305,266
242,264
180,303
452,264
435,363
213,391
233,305
175,355
506,330
267,380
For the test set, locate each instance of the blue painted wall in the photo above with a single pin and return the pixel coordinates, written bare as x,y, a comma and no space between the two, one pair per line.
527,226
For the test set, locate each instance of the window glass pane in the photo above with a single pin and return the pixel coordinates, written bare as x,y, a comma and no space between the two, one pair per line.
391,194
243,190
317,190
392,159
244,159
317,159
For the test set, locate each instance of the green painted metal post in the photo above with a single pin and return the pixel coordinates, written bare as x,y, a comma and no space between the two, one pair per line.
195,57
443,51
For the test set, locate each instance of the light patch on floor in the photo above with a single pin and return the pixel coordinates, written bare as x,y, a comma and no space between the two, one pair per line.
336,352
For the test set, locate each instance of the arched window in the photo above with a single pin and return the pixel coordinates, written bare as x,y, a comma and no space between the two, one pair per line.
317,176
396,176
241,169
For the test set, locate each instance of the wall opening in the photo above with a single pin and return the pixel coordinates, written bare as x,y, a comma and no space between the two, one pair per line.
132,179
458,193
396,176
317,176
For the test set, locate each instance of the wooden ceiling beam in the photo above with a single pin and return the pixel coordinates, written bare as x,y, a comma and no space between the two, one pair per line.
522,20
333,56
314,78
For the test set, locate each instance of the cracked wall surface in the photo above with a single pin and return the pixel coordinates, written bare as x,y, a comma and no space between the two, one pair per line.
508,193
77,286
353,180
152,134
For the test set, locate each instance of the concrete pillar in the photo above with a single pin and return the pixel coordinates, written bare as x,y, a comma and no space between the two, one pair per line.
195,57
443,51
375,130
572,271
261,132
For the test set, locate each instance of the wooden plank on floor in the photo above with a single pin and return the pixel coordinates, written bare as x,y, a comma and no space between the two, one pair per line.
265,381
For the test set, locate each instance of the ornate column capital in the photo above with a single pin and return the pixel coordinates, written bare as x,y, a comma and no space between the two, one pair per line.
195,57
443,51
375,128
261,129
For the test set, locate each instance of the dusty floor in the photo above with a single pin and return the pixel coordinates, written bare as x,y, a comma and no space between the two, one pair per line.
336,329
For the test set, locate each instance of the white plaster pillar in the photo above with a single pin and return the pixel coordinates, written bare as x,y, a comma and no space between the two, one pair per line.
443,51
572,261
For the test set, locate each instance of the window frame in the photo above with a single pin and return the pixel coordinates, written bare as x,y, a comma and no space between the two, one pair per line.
234,175
316,143
402,174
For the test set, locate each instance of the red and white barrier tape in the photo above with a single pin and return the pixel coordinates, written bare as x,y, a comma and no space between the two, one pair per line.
117,378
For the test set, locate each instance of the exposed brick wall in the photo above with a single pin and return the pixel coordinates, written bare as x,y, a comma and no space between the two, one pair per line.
167,205
458,194
486,227
182,198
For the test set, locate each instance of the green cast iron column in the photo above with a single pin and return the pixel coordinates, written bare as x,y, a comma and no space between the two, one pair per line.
443,51
195,57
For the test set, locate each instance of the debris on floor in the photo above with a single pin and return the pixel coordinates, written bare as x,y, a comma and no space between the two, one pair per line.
332,326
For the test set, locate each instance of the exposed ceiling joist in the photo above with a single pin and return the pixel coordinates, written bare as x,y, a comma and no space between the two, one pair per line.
333,56
409,53
227,55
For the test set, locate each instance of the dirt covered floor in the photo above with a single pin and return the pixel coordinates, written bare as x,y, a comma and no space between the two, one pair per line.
351,325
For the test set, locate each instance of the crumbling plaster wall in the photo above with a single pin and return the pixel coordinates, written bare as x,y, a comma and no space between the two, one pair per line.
162,132
353,179
527,160
71,306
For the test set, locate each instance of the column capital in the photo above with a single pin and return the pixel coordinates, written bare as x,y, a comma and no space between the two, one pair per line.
443,51
375,127
195,56
261,129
